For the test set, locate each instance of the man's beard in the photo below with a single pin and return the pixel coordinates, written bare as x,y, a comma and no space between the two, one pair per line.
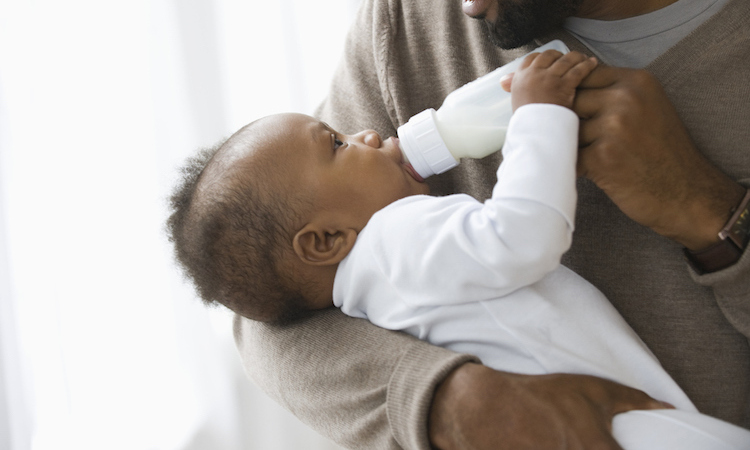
520,21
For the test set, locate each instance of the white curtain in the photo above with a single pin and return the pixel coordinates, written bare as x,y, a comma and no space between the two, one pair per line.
102,344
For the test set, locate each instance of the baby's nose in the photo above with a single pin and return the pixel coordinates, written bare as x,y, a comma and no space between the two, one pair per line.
372,138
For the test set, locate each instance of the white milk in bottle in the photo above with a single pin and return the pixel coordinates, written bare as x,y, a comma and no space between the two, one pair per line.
471,123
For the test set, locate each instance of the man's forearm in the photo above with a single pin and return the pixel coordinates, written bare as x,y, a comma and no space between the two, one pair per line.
359,385
636,149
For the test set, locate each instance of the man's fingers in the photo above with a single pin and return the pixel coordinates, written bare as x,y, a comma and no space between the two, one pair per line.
589,129
630,399
598,90
588,102
601,77
582,163
546,59
566,62
601,438
580,70
594,153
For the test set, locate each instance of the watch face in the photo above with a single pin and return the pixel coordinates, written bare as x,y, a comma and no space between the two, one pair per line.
739,233
737,230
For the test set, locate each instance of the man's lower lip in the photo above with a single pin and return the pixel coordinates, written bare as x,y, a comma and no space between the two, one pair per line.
474,8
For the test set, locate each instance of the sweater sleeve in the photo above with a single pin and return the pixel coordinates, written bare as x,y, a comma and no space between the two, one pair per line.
731,288
712,104
357,384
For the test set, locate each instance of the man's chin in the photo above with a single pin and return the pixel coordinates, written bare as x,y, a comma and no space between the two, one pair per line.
505,40
508,37
520,22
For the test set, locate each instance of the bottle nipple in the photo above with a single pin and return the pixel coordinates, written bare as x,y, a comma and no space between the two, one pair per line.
422,146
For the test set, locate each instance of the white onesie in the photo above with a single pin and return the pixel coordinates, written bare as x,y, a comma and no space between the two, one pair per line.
485,279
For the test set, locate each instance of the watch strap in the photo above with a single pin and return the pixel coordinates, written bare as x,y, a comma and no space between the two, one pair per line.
734,239
719,256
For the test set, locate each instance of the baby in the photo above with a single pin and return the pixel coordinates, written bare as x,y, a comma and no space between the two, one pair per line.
289,216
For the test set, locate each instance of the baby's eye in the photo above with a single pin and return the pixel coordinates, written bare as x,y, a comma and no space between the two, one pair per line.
336,142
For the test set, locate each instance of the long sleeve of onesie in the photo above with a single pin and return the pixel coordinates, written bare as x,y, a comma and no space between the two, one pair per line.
510,241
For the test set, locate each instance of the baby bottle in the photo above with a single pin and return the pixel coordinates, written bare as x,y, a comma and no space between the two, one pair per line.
471,123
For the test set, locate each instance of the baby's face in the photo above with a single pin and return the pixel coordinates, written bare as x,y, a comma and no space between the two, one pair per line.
352,176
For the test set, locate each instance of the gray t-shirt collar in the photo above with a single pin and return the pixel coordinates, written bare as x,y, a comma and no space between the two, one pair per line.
636,41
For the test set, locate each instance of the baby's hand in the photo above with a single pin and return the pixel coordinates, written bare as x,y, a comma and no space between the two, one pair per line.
549,77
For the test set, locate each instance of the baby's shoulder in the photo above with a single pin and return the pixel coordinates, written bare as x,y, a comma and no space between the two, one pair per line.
416,206
417,213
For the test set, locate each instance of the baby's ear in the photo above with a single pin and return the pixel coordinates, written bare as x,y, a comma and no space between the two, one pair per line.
320,247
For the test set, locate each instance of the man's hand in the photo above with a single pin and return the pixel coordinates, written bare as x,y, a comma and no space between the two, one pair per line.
477,408
635,148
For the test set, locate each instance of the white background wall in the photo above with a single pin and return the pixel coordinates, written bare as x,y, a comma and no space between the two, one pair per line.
102,345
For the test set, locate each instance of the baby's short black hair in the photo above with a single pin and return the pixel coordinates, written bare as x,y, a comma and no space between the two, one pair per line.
228,238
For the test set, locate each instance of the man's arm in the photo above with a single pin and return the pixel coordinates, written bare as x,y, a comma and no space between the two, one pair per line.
636,149
366,387
357,384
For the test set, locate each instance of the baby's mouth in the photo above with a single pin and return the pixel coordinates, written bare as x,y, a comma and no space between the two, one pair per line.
413,172
409,168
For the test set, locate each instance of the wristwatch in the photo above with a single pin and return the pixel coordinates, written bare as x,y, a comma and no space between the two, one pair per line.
734,240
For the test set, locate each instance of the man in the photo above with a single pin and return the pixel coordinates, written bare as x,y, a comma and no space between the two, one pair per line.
663,160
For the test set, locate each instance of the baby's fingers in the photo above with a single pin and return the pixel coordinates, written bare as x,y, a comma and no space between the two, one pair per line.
543,60
530,58
579,71
506,81
565,62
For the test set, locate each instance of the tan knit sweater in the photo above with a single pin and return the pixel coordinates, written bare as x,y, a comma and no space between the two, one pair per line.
369,388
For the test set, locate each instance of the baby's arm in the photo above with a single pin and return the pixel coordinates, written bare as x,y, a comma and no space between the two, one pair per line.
549,77
518,236
454,249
